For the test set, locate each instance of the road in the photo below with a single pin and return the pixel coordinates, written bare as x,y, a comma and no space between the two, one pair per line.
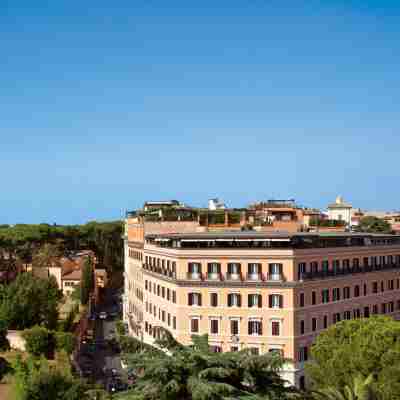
104,358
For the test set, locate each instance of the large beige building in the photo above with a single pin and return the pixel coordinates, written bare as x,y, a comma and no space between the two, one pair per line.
268,291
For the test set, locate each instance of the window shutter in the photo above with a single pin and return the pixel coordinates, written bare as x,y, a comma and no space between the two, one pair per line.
270,301
190,299
239,298
229,300
259,300
280,301
260,327
199,299
250,328
249,302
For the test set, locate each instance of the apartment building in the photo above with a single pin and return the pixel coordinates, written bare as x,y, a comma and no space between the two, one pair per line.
267,291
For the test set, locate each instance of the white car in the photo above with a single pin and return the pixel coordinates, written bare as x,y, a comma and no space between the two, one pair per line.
103,315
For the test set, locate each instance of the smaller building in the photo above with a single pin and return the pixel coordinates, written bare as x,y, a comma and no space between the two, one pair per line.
70,281
340,211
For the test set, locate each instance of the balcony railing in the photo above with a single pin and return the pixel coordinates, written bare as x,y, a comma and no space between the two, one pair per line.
347,271
196,276
274,277
254,276
213,276
234,277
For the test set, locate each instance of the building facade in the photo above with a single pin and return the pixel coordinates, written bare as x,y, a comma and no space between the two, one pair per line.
266,291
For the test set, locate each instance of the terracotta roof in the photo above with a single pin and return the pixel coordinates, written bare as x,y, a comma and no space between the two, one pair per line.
75,275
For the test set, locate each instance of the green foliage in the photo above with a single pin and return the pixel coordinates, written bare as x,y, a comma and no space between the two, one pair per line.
195,373
47,256
119,326
64,341
87,281
36,380
30,301
359,348
38,341
4,345
326,223
68,324
374,225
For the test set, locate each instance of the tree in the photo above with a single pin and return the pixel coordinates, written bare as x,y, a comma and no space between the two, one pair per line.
5,368
374,225
37,341
30,301
87,281
359,348
64,341
35,379
196,373
47,256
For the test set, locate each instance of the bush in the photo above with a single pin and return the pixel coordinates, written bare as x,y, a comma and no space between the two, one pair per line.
120,327
64,341
37,341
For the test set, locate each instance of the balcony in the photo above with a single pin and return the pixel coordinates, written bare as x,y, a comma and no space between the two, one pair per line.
194,276
275,277
349,271
254,276
213,276
234,277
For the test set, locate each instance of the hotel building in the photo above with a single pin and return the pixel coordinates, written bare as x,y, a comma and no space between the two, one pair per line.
267,291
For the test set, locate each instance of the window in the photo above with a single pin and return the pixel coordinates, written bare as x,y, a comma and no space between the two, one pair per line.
163,292
383,308
234,327
234,269
174,322
301,300
302,327
303,354
391,284
214,299
168,294
336,317
302,382
255,327
356,262
234,348
382,286
314,298
375,309
325,321
213,269
397,283
347,315
158,290
275,272
173,296
275,301
398,304
194,269
325,266
254,300
145,285
194,299
325,295
254,350
356,313
365,289
253,271
314,267
234,300
169,319
335,294
374,287
336,266
314,324
346,292
356,291
275,328
216,349
346,265
163,316
366,312
301,270
214,326
194,325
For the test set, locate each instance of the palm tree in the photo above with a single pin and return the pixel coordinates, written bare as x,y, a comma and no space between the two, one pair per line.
361,388
195,373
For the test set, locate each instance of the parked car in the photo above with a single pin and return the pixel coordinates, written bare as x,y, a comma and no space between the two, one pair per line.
103,315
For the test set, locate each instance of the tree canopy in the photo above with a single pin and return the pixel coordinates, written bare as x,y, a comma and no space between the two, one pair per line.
374,225
30,301
355,350
196,373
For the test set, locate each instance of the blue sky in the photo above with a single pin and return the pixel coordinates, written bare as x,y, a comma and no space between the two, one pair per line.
106,104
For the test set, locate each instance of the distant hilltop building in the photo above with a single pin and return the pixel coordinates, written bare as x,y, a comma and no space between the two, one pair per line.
216,204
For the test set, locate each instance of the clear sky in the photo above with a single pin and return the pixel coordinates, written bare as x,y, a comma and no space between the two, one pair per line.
104,104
